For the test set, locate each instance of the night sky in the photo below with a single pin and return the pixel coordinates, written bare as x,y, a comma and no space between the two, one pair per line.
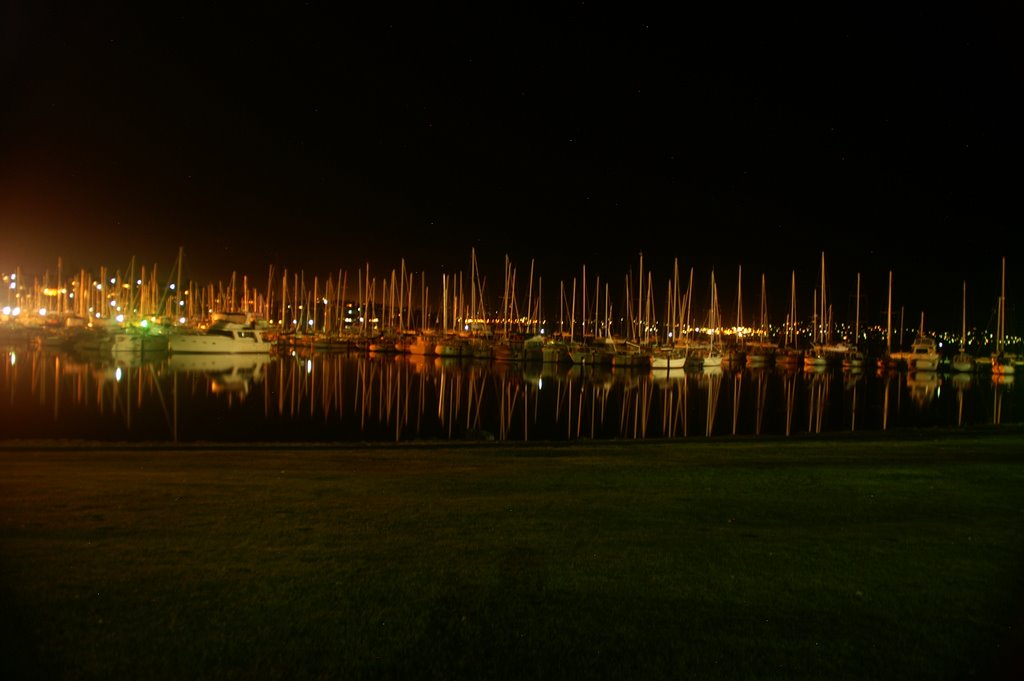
319,138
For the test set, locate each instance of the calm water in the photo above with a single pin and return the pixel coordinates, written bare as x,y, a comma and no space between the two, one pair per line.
355,397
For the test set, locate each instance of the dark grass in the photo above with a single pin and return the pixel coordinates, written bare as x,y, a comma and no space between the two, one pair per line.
833,558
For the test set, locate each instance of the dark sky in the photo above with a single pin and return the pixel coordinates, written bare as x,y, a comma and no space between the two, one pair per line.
317,138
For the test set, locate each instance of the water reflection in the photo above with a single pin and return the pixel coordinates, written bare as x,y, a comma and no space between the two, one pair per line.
962,384
227,373
818,380
348,397
712,378
853,377
923,387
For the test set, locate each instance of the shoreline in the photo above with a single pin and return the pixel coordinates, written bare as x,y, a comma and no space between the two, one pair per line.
899,435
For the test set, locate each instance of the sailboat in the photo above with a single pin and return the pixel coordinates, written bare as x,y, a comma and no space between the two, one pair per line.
667,355
759,352
732,353
712,357
853,358
1002,363
815,357
886,360
788,355
963,361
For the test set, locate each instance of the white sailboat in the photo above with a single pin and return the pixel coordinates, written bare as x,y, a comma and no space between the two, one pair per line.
815,357
759,352
887,360
667,356
788,355
963,361
853,358
1002,363
712,356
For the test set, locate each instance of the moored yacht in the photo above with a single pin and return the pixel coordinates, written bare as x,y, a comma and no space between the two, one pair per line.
229,333
924,354
924,351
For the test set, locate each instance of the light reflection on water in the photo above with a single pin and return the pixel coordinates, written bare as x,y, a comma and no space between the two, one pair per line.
357,397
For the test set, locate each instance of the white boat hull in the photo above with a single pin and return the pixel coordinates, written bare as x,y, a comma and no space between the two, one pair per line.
224,337
213,345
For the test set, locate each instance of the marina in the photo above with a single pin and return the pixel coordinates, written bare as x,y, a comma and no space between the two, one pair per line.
169,360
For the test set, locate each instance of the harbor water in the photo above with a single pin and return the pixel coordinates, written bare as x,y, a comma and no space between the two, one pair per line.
351,397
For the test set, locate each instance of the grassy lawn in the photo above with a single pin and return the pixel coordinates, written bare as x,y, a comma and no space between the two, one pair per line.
816,558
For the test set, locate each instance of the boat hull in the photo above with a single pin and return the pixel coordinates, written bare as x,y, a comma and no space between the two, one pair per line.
211,345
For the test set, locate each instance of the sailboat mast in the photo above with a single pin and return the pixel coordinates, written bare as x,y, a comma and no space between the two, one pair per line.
689,302
177,286
791,327
739,300
583,304
505,308
764,308
529,300
823,338
814,320
674,328
856,325
640,300
888,321
572,313
963,320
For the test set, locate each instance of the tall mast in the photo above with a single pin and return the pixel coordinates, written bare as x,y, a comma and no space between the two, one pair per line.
764,308
791,328
529,299
739,299
640,300
177,285
1001,315
856,326
823,338
963,320
888,321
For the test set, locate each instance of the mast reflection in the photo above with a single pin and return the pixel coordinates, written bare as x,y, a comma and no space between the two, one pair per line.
305,395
